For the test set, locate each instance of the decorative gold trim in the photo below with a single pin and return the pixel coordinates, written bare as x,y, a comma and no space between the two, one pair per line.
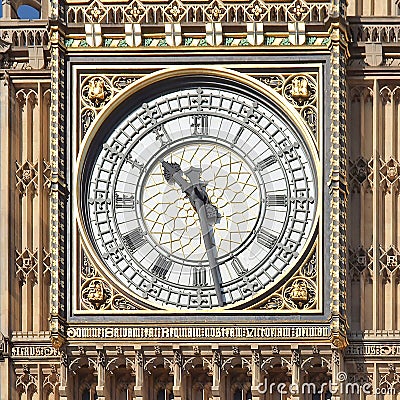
287,108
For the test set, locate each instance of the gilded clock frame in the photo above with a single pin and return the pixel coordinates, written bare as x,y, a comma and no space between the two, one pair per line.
83,251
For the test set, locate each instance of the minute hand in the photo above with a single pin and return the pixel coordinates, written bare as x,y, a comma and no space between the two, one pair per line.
199,200
207,232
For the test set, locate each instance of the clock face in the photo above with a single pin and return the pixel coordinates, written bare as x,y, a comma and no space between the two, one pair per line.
202,197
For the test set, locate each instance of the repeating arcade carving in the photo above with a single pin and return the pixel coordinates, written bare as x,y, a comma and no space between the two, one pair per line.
51,381
215,11
26,382
390,379
361,263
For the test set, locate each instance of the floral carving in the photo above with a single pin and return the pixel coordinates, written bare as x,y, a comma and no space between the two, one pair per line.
298,10
96,12
215,11
135,11
256,10
175,11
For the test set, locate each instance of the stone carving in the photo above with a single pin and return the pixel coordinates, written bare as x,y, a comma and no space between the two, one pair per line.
198,12
27,263
299,9
217,358
96,91
358,173
178,358
27,177
359,261
235,350
26,383
301,91
389,175
52,380
176,11
389,262
256,357
390,380
96,294
299,292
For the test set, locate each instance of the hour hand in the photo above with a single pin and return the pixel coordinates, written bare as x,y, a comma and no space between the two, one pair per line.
173,174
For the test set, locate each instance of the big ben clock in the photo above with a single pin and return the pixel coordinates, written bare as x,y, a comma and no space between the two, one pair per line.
199,191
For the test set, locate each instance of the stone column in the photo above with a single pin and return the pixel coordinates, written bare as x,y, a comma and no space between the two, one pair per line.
216,360
256,384
296,378
139,387
338,375
177,388
62,389
101,373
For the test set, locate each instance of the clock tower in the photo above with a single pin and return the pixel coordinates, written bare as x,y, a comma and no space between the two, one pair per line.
186,201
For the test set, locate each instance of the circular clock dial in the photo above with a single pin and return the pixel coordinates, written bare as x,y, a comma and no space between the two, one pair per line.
171,220
201,197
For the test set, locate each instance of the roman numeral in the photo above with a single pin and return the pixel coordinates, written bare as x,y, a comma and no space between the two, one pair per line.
265,163
279,200
100,201
134,240
200,125
238,267
265,238
124,200
161,266
237,137
199,276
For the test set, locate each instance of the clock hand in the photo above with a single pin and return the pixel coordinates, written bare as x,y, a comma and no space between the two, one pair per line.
207,212
207,232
